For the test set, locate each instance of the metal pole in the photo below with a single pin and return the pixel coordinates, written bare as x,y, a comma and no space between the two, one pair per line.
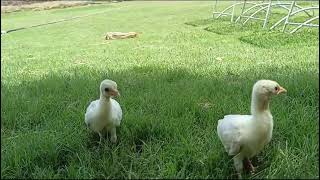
215,8
306,24
232,14
287,18
267,14
243,7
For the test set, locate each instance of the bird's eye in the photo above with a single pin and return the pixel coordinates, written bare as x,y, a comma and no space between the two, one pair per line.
276,88
106,89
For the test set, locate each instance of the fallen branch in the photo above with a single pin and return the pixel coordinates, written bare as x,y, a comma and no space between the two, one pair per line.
120,35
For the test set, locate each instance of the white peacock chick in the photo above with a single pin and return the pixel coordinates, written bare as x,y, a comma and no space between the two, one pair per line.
244,136
105,114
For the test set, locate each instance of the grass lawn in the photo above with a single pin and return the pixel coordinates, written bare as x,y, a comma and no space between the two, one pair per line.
177,79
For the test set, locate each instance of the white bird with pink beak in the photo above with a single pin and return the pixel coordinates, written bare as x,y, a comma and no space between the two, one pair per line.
244,136
105,114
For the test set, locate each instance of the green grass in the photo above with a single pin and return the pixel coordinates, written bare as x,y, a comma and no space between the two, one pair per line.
176,81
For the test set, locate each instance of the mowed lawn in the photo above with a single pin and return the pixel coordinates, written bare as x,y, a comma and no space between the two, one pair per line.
177,79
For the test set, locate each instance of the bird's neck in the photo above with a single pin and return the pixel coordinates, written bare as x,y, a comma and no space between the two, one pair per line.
104,101
259,104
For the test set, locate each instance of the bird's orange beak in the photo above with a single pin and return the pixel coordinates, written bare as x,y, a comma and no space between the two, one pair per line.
115,92
281,90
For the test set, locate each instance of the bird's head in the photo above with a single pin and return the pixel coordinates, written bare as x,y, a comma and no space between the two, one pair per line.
268,88
108,88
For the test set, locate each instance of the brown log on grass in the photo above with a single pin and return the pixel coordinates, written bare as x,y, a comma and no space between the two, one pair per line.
120,35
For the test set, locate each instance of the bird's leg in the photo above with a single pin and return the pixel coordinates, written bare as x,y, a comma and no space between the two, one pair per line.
113,135
249,165
101,137
238,164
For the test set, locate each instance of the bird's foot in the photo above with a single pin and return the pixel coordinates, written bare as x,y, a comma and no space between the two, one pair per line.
252,169
249,166
239,175
113,139
101,138
100,142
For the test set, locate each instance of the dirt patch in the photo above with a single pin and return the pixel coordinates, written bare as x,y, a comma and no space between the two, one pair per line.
16,3
12,6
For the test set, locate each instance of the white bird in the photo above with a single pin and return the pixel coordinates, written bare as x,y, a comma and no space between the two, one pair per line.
105,113
244,136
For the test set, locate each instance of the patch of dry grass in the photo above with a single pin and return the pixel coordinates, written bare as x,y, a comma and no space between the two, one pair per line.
42,5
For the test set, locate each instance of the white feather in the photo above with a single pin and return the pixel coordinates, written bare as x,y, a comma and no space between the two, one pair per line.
229,131
245,133
244,136
116,112
104,113
99,115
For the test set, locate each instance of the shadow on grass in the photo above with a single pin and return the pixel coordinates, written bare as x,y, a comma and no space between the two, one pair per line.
253,33
201,22
43,121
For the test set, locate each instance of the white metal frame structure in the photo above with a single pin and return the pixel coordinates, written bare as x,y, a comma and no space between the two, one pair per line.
231,7
293,12
249,13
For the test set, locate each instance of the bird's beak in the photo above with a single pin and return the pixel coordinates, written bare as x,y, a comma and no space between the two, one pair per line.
115,92
281,90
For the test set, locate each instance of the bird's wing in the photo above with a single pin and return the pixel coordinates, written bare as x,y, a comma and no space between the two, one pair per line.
229,130
116,112
91,111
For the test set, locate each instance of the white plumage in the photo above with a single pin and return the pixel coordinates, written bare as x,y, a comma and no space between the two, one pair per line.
105,114
244,136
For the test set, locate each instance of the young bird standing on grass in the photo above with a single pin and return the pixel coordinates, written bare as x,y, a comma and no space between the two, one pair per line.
105,113
244,136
